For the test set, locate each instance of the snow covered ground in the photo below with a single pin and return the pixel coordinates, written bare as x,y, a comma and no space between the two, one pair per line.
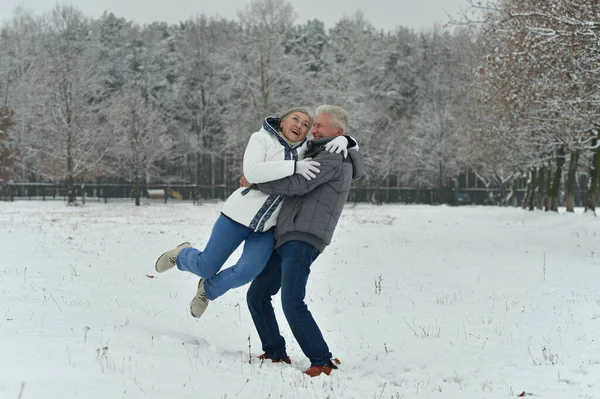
416,301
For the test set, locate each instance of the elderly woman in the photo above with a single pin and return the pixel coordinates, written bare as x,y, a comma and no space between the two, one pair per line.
274,152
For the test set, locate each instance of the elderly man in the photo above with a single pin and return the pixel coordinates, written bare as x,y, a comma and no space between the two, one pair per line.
306,223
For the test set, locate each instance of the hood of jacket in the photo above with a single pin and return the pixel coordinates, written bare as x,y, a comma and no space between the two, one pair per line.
355,157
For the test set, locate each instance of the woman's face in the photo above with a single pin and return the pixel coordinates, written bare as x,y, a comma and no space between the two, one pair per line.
295,126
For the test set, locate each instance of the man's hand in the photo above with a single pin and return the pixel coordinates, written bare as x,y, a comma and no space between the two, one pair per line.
307,168
244,182
338,145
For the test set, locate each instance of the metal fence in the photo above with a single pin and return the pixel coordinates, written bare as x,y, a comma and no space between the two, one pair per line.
107,192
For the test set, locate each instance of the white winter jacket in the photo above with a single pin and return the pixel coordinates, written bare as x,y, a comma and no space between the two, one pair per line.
267,157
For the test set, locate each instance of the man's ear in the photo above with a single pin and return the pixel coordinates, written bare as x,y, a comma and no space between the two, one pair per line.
339,132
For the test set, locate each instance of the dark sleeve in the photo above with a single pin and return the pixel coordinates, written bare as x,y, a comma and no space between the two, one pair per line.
351,142
331,165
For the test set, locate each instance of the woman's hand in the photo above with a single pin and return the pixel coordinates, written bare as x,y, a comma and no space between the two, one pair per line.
338,145
244,182
307,168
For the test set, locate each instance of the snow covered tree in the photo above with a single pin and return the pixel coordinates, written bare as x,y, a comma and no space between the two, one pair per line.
434,134
142,139
392,90
489,142
203,100
515,98
307,43
21,51
114,45
68,91
261,65
538,74
593,194
6,155
354,64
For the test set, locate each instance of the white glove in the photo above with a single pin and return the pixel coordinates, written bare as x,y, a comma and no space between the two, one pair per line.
307,168
338,145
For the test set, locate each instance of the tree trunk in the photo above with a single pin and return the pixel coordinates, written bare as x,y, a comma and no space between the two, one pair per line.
541,188
529,200
525,203
70,189
555,186
571,181
212,176
512,201
594,179
70,180
137,191
546,189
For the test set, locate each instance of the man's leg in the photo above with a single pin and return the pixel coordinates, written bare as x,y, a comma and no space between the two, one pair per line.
257,250
226,236
264,286
296,258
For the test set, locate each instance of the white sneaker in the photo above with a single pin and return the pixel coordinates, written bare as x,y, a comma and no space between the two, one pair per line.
169,258
200,301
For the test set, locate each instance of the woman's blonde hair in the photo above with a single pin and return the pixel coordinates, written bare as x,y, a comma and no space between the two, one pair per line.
302,110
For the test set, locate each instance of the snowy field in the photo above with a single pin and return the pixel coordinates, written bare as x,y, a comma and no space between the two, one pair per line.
416,301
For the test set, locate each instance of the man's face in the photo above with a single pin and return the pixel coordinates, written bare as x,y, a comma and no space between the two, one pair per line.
324,128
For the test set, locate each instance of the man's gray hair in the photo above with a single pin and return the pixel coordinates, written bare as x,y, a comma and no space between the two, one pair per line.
338,114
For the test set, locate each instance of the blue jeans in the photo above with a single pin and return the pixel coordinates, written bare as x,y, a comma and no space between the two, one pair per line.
226,236
288,270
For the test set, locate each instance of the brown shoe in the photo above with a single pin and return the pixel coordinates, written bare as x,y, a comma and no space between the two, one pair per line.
285,359
315,371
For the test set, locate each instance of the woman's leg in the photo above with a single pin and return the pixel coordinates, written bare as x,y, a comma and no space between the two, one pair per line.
226,236
257,250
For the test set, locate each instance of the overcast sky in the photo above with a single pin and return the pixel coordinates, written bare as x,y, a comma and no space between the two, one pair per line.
383,14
